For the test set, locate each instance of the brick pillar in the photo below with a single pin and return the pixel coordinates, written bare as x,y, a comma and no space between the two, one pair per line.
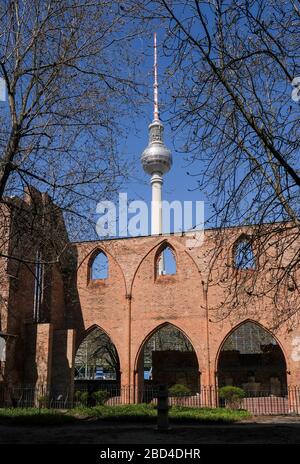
139,379
293,384
294,399
70,356
43,354
62,380
208,398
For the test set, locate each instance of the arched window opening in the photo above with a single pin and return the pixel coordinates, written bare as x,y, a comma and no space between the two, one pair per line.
243,255
38,287
2,357
166,262
167,358
99,267
97,360
251,359
2,349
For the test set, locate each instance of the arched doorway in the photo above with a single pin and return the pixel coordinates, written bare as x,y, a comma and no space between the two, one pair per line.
97,361
168,358
2,357
251,358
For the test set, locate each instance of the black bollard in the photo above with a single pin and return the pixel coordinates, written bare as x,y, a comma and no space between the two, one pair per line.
162,409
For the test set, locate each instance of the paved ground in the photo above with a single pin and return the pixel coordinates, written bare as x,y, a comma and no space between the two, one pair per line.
261,430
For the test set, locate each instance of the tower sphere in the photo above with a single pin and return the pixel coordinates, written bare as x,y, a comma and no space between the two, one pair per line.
156,158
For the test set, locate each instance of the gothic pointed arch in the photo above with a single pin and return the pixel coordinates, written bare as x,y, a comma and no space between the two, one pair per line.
167,356
98,267
97,358
179,249
251,357
165,261
243,257
84,263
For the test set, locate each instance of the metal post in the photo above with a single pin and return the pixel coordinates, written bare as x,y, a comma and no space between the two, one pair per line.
162,409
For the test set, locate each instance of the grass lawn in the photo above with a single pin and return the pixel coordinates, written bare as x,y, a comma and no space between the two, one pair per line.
131,413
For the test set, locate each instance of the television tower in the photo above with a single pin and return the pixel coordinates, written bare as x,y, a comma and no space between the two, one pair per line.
156,158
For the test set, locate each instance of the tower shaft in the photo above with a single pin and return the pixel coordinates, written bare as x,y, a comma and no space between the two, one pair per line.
156,204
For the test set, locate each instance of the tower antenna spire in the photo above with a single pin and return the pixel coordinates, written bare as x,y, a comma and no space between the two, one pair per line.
155,85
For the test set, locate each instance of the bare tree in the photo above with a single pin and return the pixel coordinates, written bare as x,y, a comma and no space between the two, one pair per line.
70,74
231,73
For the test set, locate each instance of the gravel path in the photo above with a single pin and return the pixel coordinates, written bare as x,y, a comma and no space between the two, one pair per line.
262,430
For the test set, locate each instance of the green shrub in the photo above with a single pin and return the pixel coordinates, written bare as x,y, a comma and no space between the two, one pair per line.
43,401
77,395
232,395
100,397
179,390
81,397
